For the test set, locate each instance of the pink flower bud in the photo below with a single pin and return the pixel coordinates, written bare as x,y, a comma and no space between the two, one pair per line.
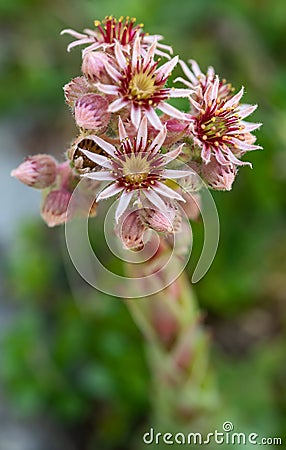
159,221
75,89
91,112
130,229
55,207
93,67
38,171
218,177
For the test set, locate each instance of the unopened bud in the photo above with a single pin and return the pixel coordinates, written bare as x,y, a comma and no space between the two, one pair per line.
130,229
159,221
55,207
91,112
75,89
38,171
219,177
93,67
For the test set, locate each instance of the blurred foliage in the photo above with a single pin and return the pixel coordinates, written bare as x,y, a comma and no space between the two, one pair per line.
83,365
78,358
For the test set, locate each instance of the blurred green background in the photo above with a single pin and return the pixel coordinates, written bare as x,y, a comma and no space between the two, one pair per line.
73,368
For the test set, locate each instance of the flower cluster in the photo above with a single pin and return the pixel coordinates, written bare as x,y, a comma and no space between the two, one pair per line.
134,145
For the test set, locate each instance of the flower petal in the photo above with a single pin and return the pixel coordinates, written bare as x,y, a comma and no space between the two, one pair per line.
109,148
107,88
159,140
171,111
102,175
165,70
136,51
153,118
135,115
121,59
118,104
121,129
167,192
73,33
168,173
170,156
235,99
246,110
142,135
155,199
188,73
123,203
112,72
79,42
98,159
178,93
110,191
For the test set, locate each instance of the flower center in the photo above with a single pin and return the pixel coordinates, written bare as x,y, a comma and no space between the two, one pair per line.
136,169
142,85
214,128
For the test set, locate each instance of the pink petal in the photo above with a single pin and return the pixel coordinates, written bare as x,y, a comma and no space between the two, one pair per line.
177,93
122,132
91,47
73,33
235,99
98,159
206,154
244,145
167,192
107,88
120,56
159,140
250,126
117,105
110,191
80,42
142,135
246,110
170,156
112,71
99,176
215,89
136,51
150,54
124,201
165,70
171,111
182,80
153,118
221,158
159,53
109,148
188,72
155,199
135,115
168,173
195,68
